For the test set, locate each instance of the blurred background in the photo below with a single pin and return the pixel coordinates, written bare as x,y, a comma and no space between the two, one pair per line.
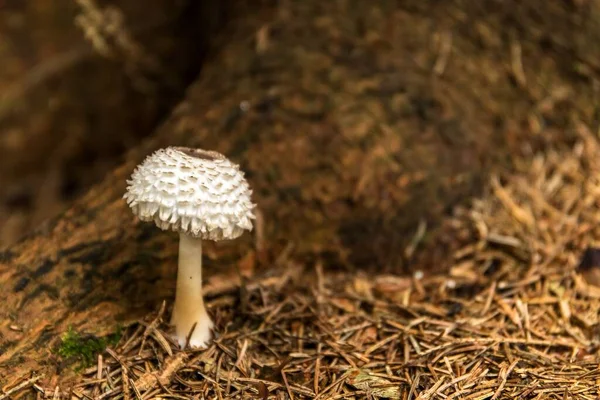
70,106
450,89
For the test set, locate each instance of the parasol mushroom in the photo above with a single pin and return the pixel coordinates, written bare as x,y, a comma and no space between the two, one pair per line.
202,196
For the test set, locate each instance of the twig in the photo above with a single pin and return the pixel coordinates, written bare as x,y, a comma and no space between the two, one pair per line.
20,386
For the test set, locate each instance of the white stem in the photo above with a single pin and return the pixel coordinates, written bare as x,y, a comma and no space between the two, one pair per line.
189,306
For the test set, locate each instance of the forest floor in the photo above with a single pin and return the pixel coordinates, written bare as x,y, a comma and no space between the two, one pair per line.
427,183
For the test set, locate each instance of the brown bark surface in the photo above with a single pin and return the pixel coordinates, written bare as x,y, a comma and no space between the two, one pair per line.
68,113
354,121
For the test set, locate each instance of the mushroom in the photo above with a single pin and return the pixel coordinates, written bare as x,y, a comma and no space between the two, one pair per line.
203,196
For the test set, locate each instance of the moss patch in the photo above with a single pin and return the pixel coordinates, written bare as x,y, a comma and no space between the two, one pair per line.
84,348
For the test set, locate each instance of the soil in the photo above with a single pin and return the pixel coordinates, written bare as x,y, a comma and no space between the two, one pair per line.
361,126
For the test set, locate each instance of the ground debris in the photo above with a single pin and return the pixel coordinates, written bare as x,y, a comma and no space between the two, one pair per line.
498,325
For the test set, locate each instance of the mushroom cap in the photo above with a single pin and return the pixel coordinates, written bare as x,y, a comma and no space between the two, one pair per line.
197,192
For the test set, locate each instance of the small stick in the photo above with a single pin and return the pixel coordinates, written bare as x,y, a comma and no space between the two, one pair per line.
152,326
189,335
96,390
20,386
125,380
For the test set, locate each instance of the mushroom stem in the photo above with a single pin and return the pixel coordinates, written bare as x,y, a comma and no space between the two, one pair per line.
189,306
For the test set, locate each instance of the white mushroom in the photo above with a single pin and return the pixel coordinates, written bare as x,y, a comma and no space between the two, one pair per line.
201,195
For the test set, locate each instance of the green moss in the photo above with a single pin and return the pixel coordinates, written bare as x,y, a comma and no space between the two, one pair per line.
83,349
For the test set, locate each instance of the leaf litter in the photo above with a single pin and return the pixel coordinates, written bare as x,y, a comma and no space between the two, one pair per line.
512,318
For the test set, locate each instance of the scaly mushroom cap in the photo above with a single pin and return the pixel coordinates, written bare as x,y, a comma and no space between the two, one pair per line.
194,191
